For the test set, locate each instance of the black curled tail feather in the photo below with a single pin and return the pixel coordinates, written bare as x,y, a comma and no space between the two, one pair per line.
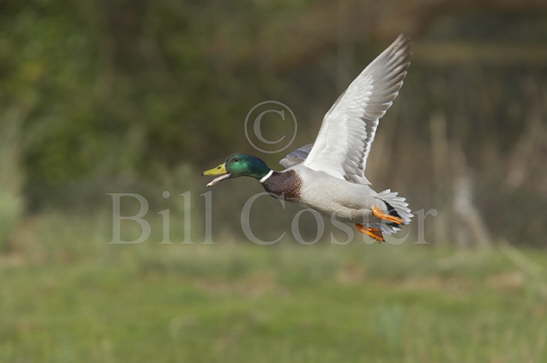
397,207
392,212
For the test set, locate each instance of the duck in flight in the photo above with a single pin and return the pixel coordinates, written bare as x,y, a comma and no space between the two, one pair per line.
329,175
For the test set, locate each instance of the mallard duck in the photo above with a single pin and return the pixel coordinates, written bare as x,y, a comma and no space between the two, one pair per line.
328,175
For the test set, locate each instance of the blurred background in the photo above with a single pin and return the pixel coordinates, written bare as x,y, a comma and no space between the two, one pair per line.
140,96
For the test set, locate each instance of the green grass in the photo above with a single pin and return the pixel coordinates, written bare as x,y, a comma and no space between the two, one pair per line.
93,302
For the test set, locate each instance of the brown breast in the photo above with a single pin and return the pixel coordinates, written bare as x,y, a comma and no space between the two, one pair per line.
284,185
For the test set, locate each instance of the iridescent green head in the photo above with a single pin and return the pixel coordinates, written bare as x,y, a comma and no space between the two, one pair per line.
238,165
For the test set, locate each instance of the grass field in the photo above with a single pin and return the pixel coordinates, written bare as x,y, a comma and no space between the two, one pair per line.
87,301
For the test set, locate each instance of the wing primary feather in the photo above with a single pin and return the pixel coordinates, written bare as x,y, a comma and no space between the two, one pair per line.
354,117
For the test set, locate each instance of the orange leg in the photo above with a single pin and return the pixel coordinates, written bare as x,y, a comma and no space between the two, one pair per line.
379,214
375,233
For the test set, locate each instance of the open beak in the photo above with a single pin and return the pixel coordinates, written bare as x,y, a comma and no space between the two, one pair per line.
219,170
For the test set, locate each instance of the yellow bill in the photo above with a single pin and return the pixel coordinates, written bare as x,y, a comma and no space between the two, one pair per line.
219,170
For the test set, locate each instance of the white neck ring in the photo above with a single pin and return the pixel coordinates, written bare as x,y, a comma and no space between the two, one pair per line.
265,177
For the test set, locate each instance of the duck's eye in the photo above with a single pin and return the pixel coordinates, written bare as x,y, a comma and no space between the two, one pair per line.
236,160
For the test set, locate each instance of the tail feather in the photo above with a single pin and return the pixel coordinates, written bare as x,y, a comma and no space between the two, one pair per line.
398,207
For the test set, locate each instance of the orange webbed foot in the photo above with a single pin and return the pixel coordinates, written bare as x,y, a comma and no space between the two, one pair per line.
377,212
375,233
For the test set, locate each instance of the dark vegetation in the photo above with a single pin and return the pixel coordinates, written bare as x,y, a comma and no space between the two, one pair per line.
110,95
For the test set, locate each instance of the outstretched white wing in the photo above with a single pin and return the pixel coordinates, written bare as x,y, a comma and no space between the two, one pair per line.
344,140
